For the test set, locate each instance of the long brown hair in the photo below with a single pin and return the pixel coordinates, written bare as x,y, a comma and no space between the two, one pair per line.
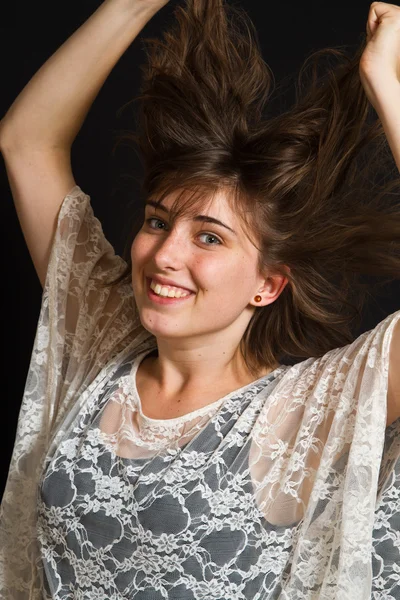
305,181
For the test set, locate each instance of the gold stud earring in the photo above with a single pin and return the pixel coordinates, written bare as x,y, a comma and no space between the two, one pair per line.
257,298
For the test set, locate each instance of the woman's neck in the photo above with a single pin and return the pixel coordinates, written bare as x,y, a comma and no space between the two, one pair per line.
173,384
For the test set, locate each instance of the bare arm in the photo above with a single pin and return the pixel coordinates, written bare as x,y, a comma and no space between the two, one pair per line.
38,130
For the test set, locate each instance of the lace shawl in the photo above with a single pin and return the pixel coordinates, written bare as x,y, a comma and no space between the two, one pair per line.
323,412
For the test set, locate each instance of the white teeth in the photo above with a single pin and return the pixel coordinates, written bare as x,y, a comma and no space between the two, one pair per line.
166,291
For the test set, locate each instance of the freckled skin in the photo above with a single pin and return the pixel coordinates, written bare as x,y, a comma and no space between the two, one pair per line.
224,276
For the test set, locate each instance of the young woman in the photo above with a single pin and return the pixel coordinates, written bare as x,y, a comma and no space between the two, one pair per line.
163,449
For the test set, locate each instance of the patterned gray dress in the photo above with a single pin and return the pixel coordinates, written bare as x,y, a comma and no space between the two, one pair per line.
183,523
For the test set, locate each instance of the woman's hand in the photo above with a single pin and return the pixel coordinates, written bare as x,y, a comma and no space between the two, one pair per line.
380,62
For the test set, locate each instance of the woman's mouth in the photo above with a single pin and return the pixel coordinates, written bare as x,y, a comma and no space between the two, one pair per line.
157,299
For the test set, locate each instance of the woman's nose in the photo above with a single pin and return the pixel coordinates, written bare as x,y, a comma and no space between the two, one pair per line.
171,251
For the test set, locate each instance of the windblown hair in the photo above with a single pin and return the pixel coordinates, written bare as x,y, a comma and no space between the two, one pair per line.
304,182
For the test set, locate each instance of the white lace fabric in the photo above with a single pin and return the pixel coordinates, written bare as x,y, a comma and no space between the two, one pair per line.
288,488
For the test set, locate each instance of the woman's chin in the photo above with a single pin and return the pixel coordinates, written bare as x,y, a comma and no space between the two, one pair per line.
161,327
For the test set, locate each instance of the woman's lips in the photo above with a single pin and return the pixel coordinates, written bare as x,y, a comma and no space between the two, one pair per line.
163,299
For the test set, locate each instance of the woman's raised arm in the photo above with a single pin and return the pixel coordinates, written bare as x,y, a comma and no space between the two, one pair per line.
38,130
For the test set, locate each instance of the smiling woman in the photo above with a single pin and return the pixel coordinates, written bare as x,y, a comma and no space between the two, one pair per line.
164,449
180,253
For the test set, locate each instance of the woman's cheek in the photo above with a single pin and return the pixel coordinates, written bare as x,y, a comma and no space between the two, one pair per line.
139,248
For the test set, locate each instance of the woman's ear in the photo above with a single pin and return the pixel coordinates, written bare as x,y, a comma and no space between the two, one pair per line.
271,288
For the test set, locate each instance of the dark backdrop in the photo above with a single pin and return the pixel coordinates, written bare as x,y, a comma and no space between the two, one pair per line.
288,32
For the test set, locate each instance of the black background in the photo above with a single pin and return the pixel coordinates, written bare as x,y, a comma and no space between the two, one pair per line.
288,32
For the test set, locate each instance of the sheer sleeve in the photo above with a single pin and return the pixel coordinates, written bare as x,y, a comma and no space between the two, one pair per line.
326,461
82,323
82,326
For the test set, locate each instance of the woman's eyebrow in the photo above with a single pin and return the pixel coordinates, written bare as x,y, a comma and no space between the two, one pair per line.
203,218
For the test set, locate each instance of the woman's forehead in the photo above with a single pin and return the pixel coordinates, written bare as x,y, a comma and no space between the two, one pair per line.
215,205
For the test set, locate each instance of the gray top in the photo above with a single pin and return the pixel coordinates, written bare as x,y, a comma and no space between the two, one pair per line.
183,523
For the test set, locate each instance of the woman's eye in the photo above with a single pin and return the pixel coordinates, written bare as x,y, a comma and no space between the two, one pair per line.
210,235
207,235
154,219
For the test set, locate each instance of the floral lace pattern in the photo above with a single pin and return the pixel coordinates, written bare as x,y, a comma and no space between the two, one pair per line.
151,525
286,489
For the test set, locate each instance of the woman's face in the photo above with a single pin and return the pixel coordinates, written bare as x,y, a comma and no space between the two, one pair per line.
217,265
